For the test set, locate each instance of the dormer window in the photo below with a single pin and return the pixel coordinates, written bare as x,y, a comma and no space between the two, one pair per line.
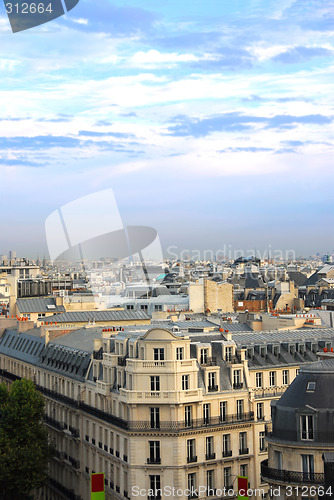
204,356
311,386
228,354
307,427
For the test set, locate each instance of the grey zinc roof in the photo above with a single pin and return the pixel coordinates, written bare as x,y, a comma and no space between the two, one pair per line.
82,339
68,361
297,277
325,366
21,346
99,316
38,305
279,336
235,327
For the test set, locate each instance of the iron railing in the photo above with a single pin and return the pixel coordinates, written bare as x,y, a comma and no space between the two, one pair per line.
269,474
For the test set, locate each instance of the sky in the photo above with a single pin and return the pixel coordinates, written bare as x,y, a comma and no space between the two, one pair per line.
211,121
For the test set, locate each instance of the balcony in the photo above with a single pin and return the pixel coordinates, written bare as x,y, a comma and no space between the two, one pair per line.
152,461
74,432
269,475
265,393
52,422
121,361
238,385
243,451
212,388
66,492
174,426
208,362
134,397
164,365
227,453
210,456
75,463
191,459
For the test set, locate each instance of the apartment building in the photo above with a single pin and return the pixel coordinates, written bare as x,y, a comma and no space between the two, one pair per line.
156,409
302,436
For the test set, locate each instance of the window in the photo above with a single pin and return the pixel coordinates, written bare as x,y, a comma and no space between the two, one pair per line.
227,452
243,470
278,460
179,353
158,307
272,379
240,409
262,443
243,443
155,487
259,411
155,383
155,418
192,485
185,382
130,307
210,481
154,447
223,411
212,381
228,354
159,354
143,307
204,356
209,448
227,478
237,379
285,377
191,450
308,467
307,426
206,413
188,416
311,386
259,379
297,372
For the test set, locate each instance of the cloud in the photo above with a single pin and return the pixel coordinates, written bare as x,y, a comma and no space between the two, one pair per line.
19,162
297,55
91,133
104,17
236,122
156,57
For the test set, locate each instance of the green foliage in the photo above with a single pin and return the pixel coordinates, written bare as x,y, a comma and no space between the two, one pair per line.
24,445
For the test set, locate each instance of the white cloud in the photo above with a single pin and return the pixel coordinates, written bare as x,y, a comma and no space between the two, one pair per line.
156,57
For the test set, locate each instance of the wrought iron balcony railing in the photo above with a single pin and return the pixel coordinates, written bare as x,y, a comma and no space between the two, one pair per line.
269,474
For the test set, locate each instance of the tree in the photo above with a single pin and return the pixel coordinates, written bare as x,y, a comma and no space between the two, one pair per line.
24,445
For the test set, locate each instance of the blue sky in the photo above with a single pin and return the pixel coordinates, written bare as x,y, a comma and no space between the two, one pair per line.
212,121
